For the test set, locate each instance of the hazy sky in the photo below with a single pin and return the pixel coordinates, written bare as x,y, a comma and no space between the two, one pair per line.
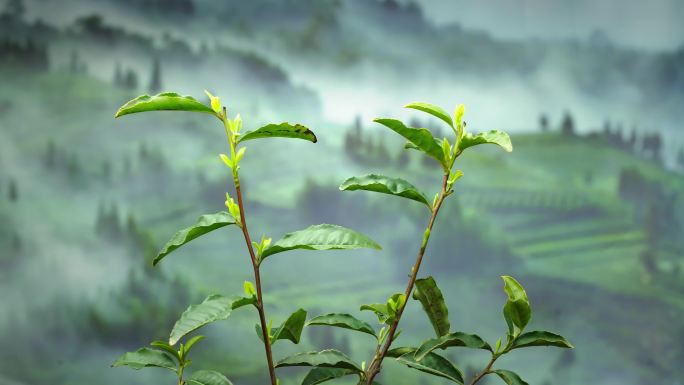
652,24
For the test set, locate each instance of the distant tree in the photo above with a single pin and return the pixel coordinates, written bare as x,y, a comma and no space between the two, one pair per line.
568,124
543,123
15,8
618,138
74,166
130,80
131,225
107,169
680,158
91,24
369,146
358,125
649,260
155,78
76,65
50,154
607,128
17,244
651,146
632,141
391,5
127,168
353,139
100,219
143,152
118,75
13,191
588,177
112,222
382,154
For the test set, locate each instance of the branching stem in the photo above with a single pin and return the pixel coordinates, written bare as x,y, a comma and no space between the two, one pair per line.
257,283
375,366
485,371
252,254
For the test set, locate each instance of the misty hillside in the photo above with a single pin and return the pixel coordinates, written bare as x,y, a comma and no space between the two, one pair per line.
587,211
353,54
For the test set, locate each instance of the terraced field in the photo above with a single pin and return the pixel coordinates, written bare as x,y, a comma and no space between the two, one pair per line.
568,234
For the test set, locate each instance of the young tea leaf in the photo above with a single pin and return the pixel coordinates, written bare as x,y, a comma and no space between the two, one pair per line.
215,307
386,185
540,338
282,130
146,357
345,321
452,339
205,224
433,110
292,328
168,101
517,311
329,358
509,377
163,345
190,343
380,310
433,364
320,375
321,237
497,137
431,298
421,138
208,377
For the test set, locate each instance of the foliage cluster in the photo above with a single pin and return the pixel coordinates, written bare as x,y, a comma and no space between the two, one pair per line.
329,364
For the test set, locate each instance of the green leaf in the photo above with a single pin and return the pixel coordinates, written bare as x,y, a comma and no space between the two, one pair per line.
243,301
167,101
345,321
321,237
394,303
292,328
433,110
509,377
282,130
540,338
497,137
400,351
517,311
431,298
163,345
386,185
208,377
453,339
320,375
329,358
146,357
190,343
420,137
433,364
205,224
215,307
380,310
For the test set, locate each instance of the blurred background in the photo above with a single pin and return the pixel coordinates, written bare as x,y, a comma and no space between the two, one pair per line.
587,211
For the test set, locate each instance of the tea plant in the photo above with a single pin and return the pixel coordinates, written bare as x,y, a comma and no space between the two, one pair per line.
331,364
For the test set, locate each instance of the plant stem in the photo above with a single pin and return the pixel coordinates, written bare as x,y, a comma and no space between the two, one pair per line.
248,240
375,365
486,370
180,375
257,283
